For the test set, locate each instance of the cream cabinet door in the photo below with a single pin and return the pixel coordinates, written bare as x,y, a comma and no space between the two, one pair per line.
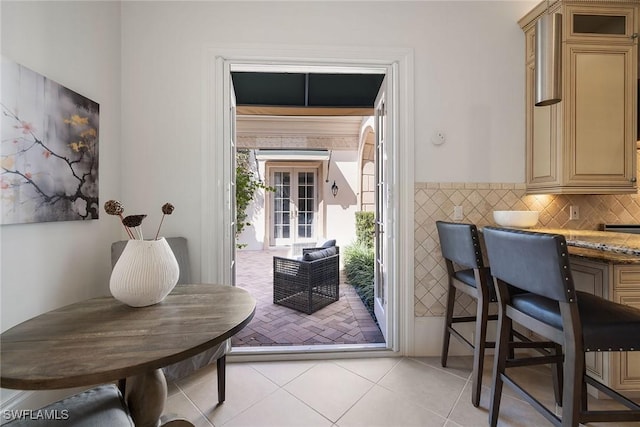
593,278
625,366
599,108
542,141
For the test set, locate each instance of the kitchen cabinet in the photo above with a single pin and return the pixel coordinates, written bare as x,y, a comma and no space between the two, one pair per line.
619,283
586,144
625,367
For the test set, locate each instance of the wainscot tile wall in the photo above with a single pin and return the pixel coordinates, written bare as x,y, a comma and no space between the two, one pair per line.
435,201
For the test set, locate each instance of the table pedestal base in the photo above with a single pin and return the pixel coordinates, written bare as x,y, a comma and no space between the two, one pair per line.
146,397
174,421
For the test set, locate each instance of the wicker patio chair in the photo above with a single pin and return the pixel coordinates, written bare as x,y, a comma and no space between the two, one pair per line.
309,283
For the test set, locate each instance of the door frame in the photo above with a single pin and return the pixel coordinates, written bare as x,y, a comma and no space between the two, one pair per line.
397,63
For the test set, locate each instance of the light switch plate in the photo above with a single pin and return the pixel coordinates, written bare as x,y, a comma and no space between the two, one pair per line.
574,212
457,213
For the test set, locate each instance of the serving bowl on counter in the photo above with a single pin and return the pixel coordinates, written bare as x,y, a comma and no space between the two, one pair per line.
520,219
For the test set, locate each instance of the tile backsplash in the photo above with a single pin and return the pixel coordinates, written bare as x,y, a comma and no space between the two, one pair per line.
435,201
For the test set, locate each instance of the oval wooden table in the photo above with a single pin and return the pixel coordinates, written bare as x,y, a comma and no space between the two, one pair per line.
102,340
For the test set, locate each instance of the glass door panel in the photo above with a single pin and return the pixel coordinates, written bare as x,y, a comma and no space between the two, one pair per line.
306,205
282,208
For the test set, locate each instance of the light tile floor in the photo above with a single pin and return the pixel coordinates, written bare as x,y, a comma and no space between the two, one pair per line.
393,392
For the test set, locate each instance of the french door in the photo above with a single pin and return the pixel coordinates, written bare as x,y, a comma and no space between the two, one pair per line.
382,239
233,220
294,211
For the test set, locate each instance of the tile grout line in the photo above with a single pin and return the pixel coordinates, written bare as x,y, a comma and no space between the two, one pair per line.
355,403
278,388
455,404
309,406
441,369
194,404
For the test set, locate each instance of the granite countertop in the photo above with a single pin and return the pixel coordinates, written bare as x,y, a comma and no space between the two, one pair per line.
623,248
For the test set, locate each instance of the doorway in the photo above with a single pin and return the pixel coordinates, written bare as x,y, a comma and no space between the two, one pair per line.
301,153
398,227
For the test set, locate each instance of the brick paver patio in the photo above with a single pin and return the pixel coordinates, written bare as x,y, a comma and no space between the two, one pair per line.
345,321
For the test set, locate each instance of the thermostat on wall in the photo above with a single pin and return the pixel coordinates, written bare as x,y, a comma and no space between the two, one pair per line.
437,138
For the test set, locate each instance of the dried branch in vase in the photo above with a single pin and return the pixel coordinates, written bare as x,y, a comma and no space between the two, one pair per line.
133,223
167,209
114,207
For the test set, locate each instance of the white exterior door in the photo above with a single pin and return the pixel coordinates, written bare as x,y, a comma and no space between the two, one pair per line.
382,196
233,222
294,212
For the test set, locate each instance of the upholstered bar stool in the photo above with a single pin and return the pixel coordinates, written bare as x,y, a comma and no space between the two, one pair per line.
462,253
538,263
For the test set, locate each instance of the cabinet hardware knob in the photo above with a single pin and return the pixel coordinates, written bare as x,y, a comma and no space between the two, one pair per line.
634,36
633,180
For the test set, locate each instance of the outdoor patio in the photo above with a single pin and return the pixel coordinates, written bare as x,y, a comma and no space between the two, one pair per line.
345,321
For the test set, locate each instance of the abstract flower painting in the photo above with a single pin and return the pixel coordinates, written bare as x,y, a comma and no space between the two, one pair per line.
48,151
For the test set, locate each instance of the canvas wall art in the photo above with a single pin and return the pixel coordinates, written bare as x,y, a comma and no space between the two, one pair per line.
49,149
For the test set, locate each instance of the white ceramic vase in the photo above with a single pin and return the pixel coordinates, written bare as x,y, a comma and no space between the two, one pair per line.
145,273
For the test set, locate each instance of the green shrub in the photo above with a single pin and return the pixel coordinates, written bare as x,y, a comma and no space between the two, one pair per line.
365,228
359,260
247,185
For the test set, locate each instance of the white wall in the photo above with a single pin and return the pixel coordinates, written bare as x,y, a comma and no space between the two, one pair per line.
341,210
48,265
469,84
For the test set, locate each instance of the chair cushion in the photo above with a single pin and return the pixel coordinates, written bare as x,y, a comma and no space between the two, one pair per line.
319,254
606,325
543,309
101,406
468,278
327,243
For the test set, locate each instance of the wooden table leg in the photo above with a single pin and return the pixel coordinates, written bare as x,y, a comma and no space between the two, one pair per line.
146,396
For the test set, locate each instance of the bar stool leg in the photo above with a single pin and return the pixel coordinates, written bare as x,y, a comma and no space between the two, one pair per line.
505,326
482,317
448,321
572,393
556,375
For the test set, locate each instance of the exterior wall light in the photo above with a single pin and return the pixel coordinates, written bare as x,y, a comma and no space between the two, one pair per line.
334,189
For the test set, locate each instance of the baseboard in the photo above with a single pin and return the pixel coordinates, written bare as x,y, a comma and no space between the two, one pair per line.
428,333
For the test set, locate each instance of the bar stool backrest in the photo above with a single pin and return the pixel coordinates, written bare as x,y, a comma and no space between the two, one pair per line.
535,262
460,243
